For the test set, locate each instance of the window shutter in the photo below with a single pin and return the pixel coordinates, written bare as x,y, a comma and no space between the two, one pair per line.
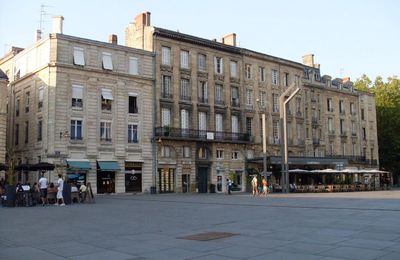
107,61
133,66
77,92
79,58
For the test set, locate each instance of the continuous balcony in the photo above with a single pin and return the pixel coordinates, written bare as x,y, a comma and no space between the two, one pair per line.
171,133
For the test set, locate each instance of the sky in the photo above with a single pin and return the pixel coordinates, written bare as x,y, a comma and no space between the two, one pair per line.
347,37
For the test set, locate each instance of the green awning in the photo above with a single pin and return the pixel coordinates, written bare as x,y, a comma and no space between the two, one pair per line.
78,165
108,166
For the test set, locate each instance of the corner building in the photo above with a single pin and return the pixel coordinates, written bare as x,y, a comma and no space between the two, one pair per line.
84,106
209,100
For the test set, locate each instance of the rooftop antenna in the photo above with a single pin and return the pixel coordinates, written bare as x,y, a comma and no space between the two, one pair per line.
43,15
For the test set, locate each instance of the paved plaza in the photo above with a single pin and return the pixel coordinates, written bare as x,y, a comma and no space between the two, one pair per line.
358,225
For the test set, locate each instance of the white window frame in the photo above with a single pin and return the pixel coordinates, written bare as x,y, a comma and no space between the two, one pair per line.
286,79
165,117
248,71
186,152
185,89
74,133
275,103
131,131
261,72
220,154
219,93
202,62
107,61
165,55
184,59
106,134
77,96
133,66
274,78
40,97
249,98
219,65
233,68
79,56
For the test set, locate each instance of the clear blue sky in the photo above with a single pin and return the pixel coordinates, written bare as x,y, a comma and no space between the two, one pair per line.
348,37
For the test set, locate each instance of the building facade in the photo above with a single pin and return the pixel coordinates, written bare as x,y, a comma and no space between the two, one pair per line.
84,106
210,97
3,120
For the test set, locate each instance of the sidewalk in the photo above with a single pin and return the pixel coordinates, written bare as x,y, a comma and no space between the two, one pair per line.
357,225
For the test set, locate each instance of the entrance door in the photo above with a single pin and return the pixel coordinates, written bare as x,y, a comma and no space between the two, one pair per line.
106,182
203,179
133,182
185,183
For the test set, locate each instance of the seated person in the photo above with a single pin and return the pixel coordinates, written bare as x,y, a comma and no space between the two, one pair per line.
51,193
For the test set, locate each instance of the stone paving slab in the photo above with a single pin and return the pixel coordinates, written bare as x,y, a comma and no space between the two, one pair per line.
326,226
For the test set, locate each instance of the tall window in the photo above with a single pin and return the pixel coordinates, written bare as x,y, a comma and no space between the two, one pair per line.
41,97
218,65
166,91
352,109
362,114
105,131
330,125
186,151
107,61
165,117
261,74
275,131
17,107
235,97
165,55
79,57
249,98
16,134
286,79
106,99
353,128
133,66
27,101
185,121
202,124
342,127
297,80
185,90
298,106
274,77
219,94
39,130
219,123
133,108
26,132
77,96
233,67
329,104
76,130
235,124
299,131
203,92
248,71
263,99
185,59
202,62
275,103
132,133
341,107
220,154
364,133
249,125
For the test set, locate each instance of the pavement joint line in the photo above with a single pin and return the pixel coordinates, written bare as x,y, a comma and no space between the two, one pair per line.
259,205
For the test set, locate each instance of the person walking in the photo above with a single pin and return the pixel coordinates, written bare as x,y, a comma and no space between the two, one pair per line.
43,189
229,186
60,187
264,186
254,185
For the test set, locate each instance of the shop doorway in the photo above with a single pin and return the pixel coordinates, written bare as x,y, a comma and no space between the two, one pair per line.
166,180
105,182
202,174
185,183
133,177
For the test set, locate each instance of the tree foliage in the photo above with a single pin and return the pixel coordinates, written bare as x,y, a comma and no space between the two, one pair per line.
387,99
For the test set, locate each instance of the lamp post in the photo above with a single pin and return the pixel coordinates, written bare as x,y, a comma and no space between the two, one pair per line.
283,101
264,140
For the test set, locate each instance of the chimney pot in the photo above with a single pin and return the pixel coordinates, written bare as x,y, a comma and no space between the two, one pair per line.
229,39
58,24
143,19
113,39
308,60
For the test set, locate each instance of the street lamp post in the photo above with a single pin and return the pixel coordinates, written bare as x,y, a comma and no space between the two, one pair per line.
283,101
264,141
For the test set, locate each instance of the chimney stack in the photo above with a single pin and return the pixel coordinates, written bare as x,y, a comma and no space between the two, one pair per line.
38,34
113,39
58,24
143,19
229,39
308,60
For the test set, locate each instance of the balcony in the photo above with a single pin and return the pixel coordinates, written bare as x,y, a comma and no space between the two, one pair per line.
235,102
166,95
315,141
219,102
201,135
203,100
186,98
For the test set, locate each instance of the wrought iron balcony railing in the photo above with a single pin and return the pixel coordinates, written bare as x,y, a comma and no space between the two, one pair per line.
201,135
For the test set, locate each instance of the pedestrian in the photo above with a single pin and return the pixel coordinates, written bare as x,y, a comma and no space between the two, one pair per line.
43,189
60,187
229,186
254,185
265,186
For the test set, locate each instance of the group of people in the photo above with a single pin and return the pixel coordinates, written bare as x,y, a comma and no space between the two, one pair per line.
259,190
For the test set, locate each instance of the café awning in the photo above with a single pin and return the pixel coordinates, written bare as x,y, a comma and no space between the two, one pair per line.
79,165
108,166
42,166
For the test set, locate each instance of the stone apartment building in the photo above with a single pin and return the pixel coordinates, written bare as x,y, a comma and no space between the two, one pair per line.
84,106
210,97
3,120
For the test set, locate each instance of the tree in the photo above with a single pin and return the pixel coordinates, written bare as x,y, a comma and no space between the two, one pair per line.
387,99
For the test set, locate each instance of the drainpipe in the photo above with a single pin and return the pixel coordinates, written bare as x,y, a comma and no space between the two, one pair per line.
153,189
